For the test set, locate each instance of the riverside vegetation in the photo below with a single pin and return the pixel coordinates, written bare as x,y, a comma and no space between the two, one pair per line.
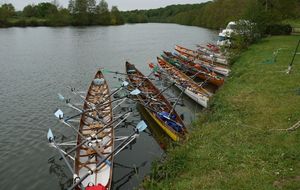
79,13
212,14
241,142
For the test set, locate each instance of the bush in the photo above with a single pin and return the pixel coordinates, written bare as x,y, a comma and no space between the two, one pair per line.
279,29
21,22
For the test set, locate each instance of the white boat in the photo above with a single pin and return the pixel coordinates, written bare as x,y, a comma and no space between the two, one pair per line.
241,27
224,38
185,83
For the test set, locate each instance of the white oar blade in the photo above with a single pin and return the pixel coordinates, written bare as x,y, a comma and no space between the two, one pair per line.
59,114
141,126
50,135
135,92
125,83
61,97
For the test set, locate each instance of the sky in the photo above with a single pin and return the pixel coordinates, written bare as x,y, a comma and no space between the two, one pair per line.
122,4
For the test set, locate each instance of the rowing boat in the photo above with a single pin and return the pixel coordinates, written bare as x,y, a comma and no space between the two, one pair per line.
156,105
86,159
205,50
203,57
185,83
200,72
196,62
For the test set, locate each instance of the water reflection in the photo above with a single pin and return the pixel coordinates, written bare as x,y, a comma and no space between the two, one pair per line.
58,170
34,71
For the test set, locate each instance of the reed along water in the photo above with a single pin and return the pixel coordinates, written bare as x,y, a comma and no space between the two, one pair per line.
37,63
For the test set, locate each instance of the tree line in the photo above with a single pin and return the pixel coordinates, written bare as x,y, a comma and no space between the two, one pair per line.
78,13
217,13
212,14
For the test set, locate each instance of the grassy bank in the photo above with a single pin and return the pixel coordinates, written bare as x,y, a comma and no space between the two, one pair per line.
236,144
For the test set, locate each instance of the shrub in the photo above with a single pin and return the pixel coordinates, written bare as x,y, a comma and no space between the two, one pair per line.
279,29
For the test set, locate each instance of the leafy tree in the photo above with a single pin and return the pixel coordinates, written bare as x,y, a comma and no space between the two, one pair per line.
104,17
71,6
8,10
91,6
80,14
45,9
30,11
61,18
116,17
102,7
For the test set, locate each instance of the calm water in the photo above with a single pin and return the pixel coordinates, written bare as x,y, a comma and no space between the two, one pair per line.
38,63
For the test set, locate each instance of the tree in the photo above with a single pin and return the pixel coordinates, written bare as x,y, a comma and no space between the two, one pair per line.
71,6
103,13
45,9
116,17
80,14
29,11
81,6
61,18
91,6
102,7
8,10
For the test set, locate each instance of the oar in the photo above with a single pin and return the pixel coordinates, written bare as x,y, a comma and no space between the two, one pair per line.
61,97
50,138
154,111
141,126
134,92
59,114
99,131
125,74
174,105
124,84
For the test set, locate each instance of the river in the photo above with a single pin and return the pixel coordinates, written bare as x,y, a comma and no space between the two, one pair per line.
37,63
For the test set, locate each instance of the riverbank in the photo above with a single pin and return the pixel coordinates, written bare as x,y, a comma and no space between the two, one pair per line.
240,142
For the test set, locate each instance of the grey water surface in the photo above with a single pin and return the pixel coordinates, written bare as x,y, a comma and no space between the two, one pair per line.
37,63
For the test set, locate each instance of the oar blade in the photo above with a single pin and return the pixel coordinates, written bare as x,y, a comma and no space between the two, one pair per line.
106,71
50,135
141,126
135,92
125,83
60,97
59,114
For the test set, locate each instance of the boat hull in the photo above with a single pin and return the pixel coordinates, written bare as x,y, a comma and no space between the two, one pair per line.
91,153
194,91
165,106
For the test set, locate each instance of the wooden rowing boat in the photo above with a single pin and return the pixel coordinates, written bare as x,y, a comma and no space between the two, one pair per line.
196,62
157,106
192,69
205,50
87,158
203,57
185,83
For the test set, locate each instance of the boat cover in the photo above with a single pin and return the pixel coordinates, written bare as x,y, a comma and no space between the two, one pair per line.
170,120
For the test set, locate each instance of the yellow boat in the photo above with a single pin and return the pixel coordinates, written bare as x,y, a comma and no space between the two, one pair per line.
156,105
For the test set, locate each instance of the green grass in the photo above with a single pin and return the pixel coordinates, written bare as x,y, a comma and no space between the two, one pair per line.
234,145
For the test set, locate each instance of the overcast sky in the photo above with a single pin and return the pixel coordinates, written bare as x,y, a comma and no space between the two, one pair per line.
122,4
